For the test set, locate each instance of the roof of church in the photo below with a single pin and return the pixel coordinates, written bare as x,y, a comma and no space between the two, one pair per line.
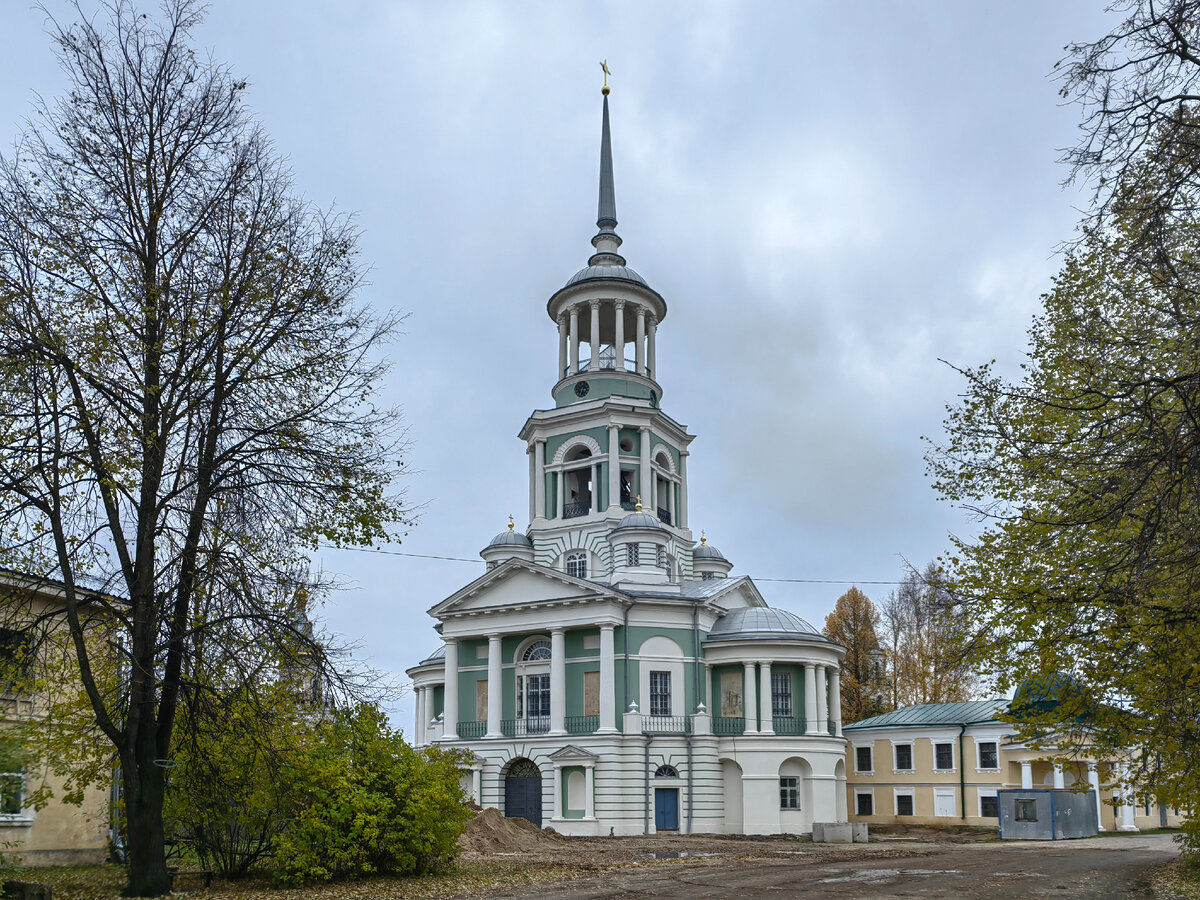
437,657
762,623
611,272
640,520
508,538
707,551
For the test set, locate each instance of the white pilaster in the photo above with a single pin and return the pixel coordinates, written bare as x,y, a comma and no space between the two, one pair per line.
477,782
608,681
560,482
495,692
1059,780
822,708
1026,775
1094,781
810,697
562,346
450,700
619,331
595,332
558,790
596,486
574,339
766,712
751,700
639,354
646,480
614,467
650,363
589,790
529,451
558,681
835,701
683,516
539,479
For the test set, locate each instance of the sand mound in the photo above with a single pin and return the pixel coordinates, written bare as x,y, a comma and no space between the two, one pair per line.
490,832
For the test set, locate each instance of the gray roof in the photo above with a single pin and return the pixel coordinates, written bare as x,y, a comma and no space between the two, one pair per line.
642,520
968,712
686,590
597,273
707,551
510,538
606,215
761,623
437,657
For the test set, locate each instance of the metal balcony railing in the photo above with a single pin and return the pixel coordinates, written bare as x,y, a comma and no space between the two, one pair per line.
728,725
628,505
666,725
664,515
787,725
469,730
582,724
574,510
606,364
522,727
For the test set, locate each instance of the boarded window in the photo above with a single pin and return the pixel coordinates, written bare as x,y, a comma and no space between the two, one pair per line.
481,691
591,693
731,695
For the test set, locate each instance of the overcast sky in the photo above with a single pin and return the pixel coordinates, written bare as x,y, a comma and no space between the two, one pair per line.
830,197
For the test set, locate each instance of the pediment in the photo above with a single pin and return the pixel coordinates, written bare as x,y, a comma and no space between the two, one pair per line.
571,753
738,595
517,584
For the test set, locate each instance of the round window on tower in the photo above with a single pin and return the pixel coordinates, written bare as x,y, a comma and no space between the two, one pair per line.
582,388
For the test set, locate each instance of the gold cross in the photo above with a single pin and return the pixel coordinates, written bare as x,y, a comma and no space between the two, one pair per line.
607,72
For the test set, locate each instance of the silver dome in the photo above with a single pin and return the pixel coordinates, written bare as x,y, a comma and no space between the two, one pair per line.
761,623
642,520
437,656
510,539
708,551
596,273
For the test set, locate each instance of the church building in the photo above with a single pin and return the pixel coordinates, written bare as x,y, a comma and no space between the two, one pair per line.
609,674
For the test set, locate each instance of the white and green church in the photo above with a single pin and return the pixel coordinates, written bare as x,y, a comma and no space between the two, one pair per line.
608,673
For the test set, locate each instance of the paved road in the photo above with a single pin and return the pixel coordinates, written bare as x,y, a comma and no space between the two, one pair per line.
1113,868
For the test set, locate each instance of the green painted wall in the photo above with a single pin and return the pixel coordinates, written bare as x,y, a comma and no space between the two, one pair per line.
569,812
439,701
508,703
575,685
574,643
600,387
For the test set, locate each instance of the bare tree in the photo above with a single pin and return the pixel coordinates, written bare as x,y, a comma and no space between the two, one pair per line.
185,382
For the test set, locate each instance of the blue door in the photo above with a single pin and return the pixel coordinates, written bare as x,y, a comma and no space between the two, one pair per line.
666,809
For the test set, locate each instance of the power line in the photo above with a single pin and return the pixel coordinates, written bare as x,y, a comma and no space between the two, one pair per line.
464,559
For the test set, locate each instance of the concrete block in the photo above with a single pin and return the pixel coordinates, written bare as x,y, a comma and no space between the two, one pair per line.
860,832
818,832
833,833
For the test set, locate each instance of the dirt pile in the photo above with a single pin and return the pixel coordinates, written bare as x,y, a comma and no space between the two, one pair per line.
490,832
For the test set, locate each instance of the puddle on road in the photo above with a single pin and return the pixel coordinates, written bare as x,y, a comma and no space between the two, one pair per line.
882,876
684,854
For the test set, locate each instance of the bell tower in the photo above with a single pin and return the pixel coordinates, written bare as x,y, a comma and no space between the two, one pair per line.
606,444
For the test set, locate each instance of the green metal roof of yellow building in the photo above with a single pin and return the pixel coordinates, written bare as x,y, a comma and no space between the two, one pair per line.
969,712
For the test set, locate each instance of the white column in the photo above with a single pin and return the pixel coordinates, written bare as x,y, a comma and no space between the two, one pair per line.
558,791
419,715
645,481
558,681
495,692
750,703
450,702
614,467
560,481
532,481
595,304
766,712
650,363
539,480
574,339
596,486
608,681
822,700
589,790
683,516
562,346
477,782
1059,781
619,331
1094,781
1026,775
835,701
1128,822
639,353
810,697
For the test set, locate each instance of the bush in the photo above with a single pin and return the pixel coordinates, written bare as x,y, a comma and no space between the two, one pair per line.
363,802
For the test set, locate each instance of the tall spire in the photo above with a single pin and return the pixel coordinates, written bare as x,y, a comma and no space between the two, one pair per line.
606,240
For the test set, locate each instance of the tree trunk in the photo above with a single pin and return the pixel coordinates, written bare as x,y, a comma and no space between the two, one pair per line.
148,876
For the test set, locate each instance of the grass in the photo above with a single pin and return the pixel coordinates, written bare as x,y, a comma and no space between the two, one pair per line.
469,878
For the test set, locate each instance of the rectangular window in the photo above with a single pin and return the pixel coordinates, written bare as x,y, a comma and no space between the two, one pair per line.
781,694
577,565
862,759
989,806
988,757
660,693
591,693
537,697
904,758
12,793
789,793
631,555
1025,810
943,756
904,803
864,804
15,661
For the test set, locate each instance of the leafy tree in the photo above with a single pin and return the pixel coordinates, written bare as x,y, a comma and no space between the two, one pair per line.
363,802
854,623
1087,473
928,641
185,382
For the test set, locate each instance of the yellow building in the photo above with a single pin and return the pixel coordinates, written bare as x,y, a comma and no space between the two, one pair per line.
58,833
942,764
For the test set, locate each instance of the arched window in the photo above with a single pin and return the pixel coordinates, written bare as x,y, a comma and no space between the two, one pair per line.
537,650
577,564
666,772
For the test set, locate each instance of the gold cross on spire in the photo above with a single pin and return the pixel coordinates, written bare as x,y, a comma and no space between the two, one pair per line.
510,523
607,72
